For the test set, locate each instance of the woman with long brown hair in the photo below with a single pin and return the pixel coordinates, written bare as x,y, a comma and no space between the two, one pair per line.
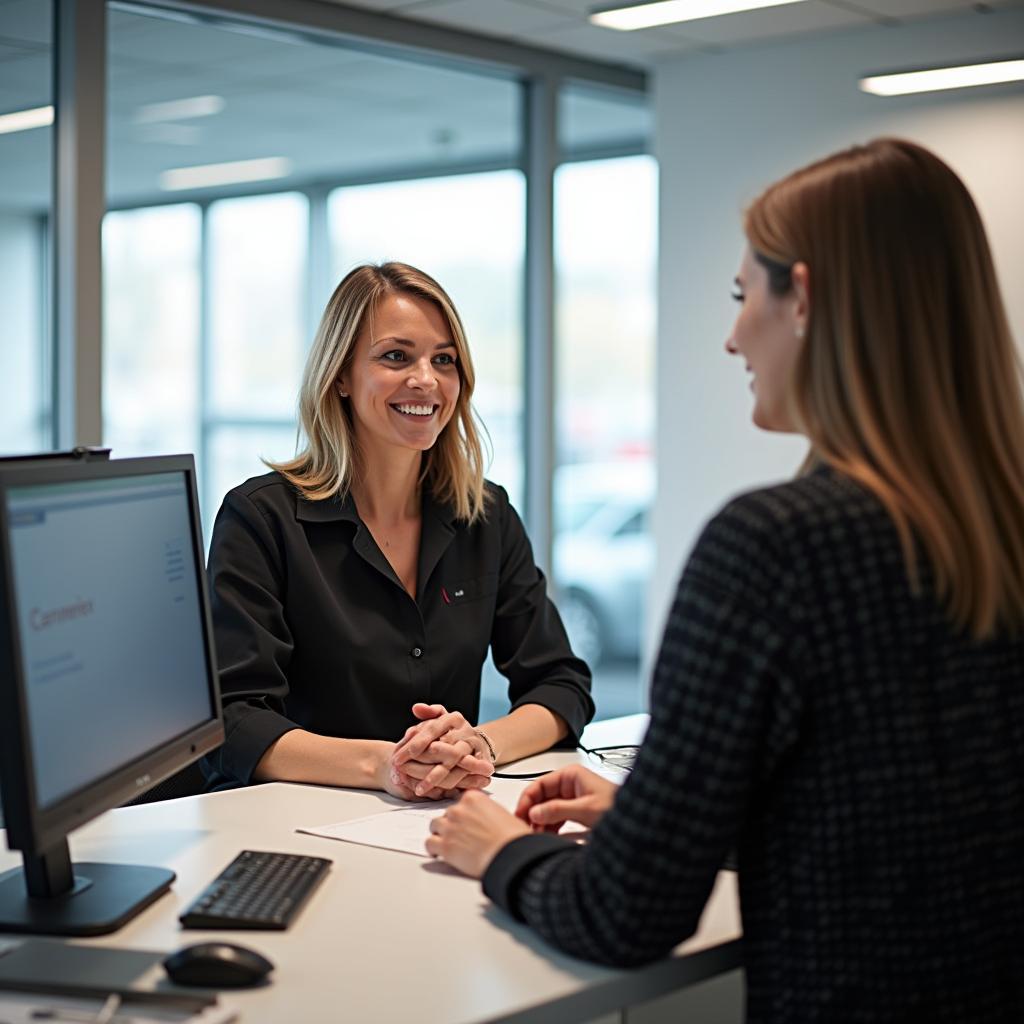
357,588
839,694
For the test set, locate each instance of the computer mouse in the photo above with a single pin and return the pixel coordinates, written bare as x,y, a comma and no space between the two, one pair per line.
217,965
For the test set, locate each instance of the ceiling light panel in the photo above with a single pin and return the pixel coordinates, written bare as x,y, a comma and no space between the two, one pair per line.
232,173
888,9
670,12
179,110
765,26
965,76
23,120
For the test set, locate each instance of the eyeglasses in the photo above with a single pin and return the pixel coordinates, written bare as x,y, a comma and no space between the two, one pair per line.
621,757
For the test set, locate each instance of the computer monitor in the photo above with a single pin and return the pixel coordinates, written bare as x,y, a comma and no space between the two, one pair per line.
107,672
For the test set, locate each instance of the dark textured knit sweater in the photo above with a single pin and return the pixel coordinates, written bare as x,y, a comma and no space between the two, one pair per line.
864,758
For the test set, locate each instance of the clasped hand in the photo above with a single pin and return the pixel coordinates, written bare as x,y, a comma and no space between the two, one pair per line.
439,756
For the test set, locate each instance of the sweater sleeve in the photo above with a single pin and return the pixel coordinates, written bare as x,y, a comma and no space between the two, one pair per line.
724,710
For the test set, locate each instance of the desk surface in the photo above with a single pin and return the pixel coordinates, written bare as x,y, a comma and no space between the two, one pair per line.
388,937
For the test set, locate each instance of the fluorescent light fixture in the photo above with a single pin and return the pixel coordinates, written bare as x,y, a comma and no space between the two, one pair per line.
169,133
233,173
22,120
901,83
179,110
666,12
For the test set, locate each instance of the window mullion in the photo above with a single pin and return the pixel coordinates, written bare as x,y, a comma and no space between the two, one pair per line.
540,135
80,99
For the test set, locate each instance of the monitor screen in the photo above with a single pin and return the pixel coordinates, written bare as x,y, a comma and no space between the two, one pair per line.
108,681
107,605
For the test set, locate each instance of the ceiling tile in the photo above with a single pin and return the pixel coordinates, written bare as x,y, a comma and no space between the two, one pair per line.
623,47
557,7
589,117
27,20
11,52
886,10
773,23
163,41
581,8
25,162
496,17
26,79
375,5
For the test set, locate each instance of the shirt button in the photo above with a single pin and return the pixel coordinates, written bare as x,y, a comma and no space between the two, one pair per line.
416,652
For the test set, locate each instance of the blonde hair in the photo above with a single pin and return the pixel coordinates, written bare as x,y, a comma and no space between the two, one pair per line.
453,469
909,381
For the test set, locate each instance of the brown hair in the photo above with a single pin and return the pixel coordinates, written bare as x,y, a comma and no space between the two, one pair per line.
909,381
452,468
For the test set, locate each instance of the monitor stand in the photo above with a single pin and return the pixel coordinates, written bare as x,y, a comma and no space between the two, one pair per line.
52,896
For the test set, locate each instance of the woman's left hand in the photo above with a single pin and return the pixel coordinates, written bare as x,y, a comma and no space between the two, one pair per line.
469,834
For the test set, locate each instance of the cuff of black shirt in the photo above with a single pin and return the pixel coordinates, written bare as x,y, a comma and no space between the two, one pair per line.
574,706
248,737
513,861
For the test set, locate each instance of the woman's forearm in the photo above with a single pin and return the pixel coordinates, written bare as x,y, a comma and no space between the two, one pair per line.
528,729
300,756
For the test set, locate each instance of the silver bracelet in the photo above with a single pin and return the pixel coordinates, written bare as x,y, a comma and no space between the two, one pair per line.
490,746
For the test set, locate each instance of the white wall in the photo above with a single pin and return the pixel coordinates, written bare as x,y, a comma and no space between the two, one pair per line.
727,125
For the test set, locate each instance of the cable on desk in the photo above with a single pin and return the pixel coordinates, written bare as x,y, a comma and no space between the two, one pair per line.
522,775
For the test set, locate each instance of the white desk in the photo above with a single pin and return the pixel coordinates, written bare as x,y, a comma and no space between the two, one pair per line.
388,937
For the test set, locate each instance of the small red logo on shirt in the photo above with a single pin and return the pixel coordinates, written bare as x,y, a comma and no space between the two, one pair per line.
444,594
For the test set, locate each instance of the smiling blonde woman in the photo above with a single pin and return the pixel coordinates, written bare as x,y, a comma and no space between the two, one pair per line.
358,587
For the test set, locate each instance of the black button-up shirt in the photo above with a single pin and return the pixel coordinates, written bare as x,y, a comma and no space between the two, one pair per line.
314,630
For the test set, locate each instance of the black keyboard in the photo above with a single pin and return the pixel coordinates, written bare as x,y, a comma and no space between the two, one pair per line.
257,890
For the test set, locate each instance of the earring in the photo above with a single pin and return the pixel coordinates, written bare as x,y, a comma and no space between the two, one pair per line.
343,394
799,332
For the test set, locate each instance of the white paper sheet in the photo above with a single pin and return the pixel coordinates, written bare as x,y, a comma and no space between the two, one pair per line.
404,829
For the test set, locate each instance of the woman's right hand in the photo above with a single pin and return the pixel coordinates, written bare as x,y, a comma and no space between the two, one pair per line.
570,794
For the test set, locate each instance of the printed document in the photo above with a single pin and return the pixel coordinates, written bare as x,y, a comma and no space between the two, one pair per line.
404,829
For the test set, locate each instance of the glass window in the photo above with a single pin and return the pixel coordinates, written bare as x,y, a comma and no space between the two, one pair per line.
637,523
151,330
252,136
257,344
26,154
592,120
467,232
185,93
236,452
605,255
257,310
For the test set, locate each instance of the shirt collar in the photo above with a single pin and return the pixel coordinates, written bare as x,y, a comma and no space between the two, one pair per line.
330,510
327,510
436,533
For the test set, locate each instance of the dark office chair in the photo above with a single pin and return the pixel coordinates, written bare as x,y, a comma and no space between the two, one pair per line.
188,782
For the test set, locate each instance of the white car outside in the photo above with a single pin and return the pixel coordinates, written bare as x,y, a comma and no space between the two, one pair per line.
603,555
